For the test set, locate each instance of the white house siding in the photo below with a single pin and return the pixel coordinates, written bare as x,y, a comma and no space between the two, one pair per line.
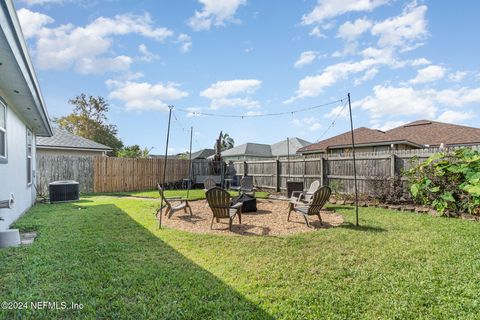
13,175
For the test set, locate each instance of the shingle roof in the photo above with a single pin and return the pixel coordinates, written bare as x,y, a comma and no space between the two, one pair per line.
65,139
203,154
419,133
281,148
435,133
249,149
266,150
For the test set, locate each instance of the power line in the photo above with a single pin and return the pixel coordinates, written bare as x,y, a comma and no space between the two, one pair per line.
195,113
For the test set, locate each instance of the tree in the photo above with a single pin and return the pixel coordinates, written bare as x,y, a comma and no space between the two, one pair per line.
226,142
133,151
89,120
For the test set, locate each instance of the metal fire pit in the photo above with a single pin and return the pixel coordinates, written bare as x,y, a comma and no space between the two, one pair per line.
249,202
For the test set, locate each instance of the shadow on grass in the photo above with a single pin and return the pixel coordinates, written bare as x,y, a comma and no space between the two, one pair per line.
351,226
101,257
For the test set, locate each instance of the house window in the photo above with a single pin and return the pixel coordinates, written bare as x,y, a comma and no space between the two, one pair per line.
3,132
29,156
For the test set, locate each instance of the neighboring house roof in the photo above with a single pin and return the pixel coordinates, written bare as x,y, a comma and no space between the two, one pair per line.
434,133
249,149
265,150
418,134
203,154
283,149
18,81
62,139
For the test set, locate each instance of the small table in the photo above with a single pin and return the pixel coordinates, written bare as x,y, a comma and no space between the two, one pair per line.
227,183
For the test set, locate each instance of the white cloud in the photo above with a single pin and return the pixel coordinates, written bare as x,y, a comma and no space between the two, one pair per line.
144,95
340,111
420,62
452,116
369,75
32,22
402,30
80,48
457,76
305,58
455,97
185,42
429,74
406,101
215,13
317,32
399,101
147,56
352,30
388,125
232,93
326,9
312,86
311,123
102,65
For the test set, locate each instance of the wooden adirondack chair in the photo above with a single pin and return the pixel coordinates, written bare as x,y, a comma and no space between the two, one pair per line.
208,184
219,201
319,199
246,186
173,204
305,196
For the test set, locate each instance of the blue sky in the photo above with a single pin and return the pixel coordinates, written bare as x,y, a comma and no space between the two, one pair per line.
400,60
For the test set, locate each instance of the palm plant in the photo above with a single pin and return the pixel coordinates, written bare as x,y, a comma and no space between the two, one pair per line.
226,141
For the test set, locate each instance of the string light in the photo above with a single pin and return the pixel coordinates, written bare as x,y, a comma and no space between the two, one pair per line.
208,114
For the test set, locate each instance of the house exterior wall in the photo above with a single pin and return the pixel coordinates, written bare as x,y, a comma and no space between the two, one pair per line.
61,152
13,174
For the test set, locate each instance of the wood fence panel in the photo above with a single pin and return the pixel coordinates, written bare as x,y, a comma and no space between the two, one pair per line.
51,168
125,174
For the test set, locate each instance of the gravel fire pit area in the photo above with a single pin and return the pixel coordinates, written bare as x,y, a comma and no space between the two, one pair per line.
269,220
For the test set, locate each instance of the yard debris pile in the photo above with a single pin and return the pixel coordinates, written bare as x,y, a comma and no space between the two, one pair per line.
269,220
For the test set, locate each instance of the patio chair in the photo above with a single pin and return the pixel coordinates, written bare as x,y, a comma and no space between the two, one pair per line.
173,204
246,186
299,197
319,199
219,201
208,184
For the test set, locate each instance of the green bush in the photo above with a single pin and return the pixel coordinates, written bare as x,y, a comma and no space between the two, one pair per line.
448,181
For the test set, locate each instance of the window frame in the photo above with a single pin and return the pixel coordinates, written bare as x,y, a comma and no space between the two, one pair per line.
29,155
3,108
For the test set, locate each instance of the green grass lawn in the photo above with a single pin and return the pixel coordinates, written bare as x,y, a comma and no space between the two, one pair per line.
108,254
195,194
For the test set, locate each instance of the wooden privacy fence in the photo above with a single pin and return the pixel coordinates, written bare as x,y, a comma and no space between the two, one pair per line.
53,167
104,174
128,174
336,171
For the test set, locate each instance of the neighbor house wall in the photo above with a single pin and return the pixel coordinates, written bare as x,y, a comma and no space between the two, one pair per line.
61,152
13,174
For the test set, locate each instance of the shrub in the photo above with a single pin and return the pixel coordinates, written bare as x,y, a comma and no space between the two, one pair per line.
387,189
448,181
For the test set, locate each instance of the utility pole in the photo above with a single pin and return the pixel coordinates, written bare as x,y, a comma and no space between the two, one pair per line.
165,165
354,160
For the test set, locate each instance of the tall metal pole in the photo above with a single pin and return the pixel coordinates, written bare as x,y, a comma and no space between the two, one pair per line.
165,165
354,160
190,163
